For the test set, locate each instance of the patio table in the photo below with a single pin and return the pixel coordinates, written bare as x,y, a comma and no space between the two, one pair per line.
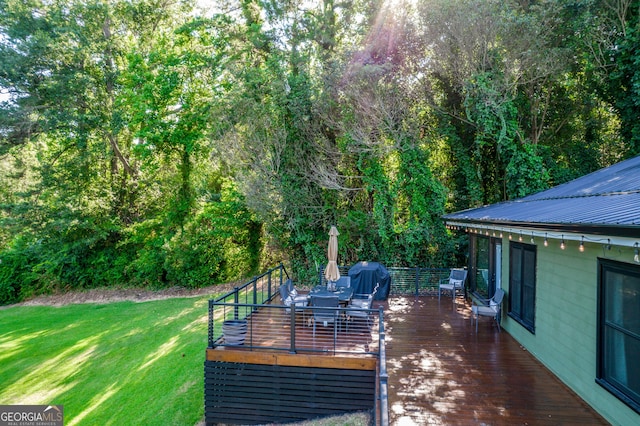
344,294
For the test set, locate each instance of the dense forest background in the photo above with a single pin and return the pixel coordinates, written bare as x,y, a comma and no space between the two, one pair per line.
151,143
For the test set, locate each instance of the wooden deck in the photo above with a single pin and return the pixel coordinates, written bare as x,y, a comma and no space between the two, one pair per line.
442,373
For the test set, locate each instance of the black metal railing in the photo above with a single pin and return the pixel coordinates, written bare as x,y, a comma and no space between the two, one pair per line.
416,281
294,330
247,298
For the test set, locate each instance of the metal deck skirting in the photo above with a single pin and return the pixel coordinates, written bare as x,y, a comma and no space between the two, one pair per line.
243,393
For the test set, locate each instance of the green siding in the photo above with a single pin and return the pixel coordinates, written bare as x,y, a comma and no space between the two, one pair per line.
566,320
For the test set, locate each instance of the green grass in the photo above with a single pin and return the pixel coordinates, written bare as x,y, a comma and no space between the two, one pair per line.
121,363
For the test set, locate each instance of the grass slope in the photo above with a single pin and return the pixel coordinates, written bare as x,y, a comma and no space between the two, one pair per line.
122,363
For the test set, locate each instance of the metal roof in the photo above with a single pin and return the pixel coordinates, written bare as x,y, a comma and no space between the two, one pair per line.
600,201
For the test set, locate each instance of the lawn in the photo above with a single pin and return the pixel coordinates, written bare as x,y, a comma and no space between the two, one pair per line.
121,363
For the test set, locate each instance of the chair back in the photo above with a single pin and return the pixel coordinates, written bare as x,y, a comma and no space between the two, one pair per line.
284,294
289,284
457,277
343,282
458,274
498,296
369,302
326,302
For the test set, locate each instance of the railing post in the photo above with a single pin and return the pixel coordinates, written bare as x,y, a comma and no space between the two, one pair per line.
281,267
292,348
417,281
236,291
211,323
255,293
383,377
384,384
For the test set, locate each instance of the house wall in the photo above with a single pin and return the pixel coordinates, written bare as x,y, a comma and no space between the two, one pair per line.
566,319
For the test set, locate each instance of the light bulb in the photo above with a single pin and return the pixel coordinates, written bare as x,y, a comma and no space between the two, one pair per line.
636,256
546,242
581,248
562,246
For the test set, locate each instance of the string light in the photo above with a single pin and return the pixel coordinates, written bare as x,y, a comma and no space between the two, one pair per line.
607,243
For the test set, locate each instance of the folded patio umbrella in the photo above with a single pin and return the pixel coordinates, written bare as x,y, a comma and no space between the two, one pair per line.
331,272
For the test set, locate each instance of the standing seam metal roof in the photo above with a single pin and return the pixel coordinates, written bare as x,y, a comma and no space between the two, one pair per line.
607,197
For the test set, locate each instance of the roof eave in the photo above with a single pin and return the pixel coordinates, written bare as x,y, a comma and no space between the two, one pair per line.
614,230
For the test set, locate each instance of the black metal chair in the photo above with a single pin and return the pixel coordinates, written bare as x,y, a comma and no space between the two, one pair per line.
361,303
325,312
343,282
289,298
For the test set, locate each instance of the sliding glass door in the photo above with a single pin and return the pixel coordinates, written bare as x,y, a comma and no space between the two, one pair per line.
485,265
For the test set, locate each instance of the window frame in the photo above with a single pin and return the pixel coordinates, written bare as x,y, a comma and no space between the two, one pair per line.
518,287
602,374
475,242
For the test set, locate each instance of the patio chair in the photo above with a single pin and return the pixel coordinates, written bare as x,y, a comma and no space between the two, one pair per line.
455,282
343,282
288,298
325,312
361,301
360,310
492,308
361,298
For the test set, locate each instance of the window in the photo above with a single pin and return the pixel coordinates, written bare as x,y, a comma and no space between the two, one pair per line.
485,265
522,284
482,267
618,369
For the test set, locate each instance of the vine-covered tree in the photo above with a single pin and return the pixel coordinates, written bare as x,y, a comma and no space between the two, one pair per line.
144,144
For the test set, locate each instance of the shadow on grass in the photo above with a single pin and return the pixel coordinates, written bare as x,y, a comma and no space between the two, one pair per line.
120,363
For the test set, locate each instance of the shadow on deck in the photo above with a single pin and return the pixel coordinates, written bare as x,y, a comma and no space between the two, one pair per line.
442,373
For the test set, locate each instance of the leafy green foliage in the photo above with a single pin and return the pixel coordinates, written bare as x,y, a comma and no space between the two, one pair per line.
625,83
219,245
142,144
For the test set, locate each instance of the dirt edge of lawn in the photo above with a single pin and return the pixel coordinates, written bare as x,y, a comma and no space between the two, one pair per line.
110,295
